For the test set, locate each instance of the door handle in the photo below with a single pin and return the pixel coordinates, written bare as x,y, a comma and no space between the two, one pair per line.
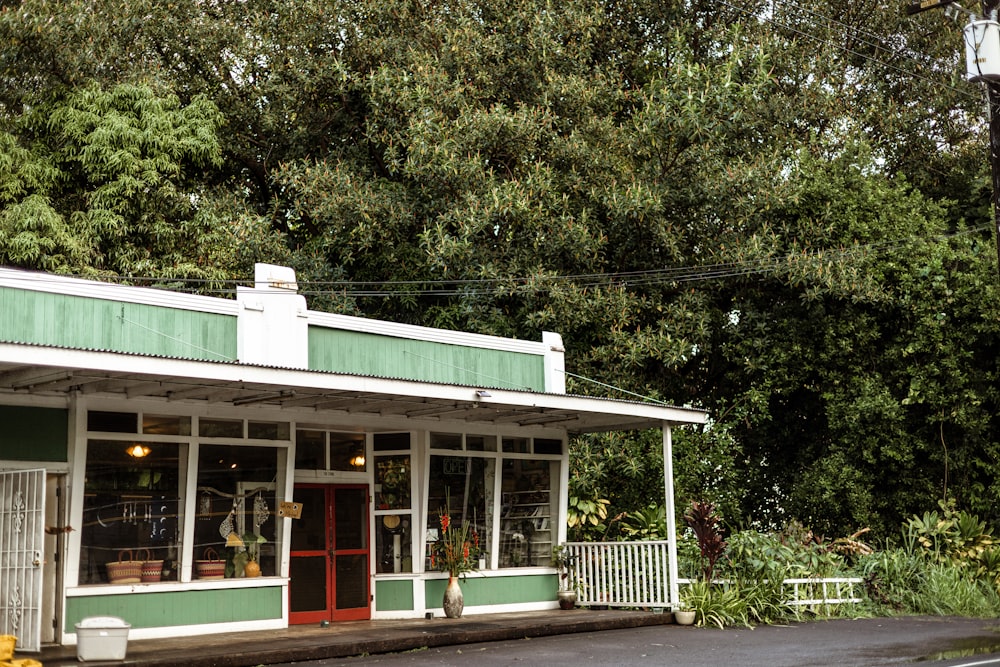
37,560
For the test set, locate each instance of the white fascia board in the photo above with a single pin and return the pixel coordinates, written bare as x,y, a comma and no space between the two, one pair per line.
54,284
290,378
414,332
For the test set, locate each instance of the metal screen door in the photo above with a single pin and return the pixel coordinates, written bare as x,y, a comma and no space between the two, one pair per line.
22,539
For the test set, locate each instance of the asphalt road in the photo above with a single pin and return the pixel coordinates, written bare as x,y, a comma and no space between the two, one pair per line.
936,641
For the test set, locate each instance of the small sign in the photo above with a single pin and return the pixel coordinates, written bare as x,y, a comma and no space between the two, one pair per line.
290,510
455,466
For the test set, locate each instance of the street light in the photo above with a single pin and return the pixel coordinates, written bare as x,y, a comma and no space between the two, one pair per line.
982,54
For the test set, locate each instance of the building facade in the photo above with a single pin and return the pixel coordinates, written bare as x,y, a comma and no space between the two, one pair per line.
153,444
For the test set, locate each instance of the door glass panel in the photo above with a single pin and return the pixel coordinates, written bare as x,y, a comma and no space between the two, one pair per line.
307,590
352,575
351,525
309,531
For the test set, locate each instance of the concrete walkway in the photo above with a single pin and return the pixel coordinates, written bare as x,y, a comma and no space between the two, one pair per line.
340,640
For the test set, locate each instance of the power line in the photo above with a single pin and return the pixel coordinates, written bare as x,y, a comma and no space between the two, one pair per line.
471,287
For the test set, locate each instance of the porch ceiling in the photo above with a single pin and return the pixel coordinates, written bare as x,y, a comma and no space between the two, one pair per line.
38,370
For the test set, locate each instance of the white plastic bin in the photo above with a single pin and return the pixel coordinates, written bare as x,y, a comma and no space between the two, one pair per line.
101,638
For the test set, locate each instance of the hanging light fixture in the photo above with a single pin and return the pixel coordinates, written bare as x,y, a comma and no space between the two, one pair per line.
138,451
358,460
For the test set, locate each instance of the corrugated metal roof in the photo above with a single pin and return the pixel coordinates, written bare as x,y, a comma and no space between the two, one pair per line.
49,370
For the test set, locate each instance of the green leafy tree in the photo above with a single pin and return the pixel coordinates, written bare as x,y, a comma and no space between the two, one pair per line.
775,212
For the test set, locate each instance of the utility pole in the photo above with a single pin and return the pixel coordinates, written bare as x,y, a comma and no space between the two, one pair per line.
993,96
981,67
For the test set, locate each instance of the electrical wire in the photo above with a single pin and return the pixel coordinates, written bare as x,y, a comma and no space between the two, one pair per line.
669,276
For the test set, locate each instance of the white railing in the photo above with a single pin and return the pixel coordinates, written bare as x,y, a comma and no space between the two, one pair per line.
806,592
636,574
620,574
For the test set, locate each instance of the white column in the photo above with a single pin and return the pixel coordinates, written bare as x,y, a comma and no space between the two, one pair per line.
668,488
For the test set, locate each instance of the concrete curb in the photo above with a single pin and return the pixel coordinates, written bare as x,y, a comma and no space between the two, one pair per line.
354,639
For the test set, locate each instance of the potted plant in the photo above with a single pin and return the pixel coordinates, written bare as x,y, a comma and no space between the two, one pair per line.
686,613
684,616
246,554
563,561
456,552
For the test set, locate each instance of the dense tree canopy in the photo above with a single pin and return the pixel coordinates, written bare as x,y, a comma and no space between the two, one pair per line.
776,211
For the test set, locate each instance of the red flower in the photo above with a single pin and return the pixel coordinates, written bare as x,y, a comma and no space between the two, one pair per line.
445,522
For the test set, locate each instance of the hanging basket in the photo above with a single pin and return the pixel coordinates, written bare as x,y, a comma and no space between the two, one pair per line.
125,570
210,567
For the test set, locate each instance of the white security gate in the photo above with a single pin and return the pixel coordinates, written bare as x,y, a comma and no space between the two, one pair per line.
22,539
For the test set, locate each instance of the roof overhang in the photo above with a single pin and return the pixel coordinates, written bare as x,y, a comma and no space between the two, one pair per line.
44,370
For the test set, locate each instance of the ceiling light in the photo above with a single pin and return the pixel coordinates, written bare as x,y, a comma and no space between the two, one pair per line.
138,451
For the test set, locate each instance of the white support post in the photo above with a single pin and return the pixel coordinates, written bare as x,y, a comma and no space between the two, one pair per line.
668,487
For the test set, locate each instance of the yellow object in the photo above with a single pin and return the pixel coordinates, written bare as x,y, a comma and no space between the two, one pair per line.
7,644
234,540
21,662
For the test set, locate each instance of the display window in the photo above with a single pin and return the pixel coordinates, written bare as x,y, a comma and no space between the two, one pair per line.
132,512
135,503
503,493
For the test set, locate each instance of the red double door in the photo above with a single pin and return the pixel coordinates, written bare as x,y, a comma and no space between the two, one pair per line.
329,567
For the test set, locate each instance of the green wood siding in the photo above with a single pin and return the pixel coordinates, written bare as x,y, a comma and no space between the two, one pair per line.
99,324
171,608
393,594
497,590
387,356
33,434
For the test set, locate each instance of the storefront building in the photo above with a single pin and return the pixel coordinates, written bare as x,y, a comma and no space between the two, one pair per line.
153,444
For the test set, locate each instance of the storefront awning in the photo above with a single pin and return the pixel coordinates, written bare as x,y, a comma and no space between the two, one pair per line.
44,370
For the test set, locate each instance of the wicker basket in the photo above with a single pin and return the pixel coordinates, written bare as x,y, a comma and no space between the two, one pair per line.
125,571
211,567
152,570
7,644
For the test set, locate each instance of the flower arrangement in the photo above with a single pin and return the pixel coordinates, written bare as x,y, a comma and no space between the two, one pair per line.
457,550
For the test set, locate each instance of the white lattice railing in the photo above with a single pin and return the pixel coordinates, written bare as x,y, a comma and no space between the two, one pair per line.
636,574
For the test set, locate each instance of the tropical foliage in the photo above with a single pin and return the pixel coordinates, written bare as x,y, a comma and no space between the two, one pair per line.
946,565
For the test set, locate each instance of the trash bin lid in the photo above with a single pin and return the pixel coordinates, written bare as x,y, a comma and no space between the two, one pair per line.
103,622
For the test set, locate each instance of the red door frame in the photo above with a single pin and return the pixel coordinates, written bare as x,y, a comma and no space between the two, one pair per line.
330,553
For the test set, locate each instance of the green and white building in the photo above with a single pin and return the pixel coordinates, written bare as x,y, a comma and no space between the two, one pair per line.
146,426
